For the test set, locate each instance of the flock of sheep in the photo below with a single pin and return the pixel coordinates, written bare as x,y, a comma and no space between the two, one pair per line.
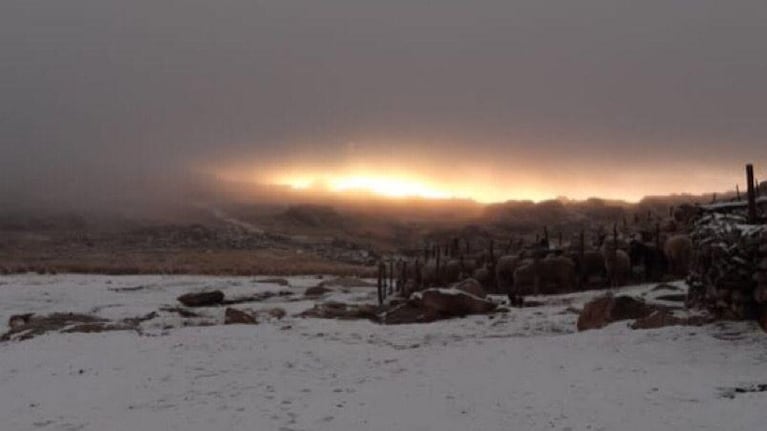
612,259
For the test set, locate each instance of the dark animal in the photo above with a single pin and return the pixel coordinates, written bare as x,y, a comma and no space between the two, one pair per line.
593,265
652,260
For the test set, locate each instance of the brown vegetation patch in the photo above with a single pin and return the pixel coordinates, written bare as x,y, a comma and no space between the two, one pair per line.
222,262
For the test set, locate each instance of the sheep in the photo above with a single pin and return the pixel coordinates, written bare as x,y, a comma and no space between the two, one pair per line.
684,214
451,273
617,264
653,260
482,275
678,250
593,265
554,274
429,273
504,271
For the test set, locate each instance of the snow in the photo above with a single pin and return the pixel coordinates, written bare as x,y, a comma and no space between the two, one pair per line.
732,204
522,370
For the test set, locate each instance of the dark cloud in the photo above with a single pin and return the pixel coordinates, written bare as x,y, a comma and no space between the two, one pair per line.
102,95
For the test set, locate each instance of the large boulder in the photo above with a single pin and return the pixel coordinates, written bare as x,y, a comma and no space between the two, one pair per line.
342,311
233,316
604,310
454,302
472,287
408,313
202,299
658,319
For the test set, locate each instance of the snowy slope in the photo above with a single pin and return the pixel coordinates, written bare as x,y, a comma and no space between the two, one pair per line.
526,370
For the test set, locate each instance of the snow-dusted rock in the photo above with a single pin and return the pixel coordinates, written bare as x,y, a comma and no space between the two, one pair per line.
608,308
202,299
471,286
317,291
454,302
233,316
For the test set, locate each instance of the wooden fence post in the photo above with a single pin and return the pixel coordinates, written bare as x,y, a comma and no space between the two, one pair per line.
507,250
391,276
751,193
418,275
614,253
581,259
492,251
380,282
404,278
657,237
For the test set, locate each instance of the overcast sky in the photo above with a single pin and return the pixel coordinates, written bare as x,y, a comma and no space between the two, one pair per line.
566,97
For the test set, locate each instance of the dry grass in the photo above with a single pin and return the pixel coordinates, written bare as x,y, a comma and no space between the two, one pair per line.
182,261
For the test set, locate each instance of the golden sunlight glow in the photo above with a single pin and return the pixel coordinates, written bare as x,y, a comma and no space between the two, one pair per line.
388,186
391,187
474,182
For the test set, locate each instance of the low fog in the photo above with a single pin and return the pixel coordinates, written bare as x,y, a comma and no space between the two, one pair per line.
149,101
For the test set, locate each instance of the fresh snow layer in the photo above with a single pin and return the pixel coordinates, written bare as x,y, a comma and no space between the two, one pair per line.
523,370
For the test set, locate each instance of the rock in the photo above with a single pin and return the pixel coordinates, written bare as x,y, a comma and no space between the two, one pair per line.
472,287
92,328
395,301
607,309
665,286
233,316
202,299
24,327
19,320
277,281
339,310
335,305
317,291
408,313
658,319
672,298
277,313
346,282
453,302
181,311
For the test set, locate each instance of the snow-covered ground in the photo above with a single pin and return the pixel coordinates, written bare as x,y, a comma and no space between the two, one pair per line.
523,370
